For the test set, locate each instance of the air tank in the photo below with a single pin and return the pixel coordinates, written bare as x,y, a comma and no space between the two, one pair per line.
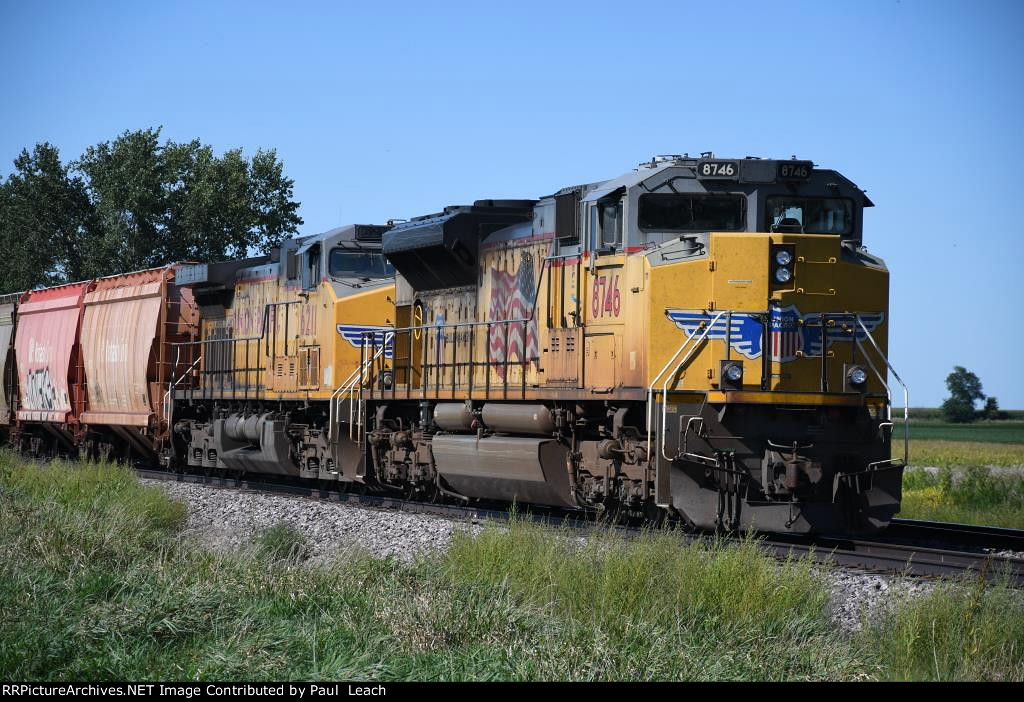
453,416
508,418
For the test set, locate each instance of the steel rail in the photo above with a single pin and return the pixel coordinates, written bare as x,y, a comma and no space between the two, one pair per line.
900,553
973,535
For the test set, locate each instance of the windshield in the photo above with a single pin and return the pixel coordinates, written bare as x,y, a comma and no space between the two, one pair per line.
690,213
359,264
810,215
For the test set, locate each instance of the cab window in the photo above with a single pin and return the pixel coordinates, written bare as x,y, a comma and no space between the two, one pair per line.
359,264
810,215
311,268
606,224
671,212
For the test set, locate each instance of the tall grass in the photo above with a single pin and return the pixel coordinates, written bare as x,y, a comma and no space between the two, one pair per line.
96,582
651,609
956,632
968,495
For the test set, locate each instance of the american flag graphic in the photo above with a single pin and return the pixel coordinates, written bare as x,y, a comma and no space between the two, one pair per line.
787,337
512,298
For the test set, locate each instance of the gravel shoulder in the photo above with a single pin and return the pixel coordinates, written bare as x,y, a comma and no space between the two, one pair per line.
224,520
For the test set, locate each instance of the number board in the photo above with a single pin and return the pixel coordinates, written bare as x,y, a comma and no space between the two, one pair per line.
795,170
718,170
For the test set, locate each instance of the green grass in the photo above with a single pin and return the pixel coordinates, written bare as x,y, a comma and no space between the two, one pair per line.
283,543
1000,432
97,583
953,633
960,453
974,495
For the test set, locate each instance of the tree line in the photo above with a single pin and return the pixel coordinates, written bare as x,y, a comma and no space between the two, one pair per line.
134,203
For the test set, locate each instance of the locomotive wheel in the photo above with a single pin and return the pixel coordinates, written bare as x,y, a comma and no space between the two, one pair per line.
613,514
654,515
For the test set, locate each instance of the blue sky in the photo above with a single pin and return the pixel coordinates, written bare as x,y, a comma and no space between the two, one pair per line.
396,109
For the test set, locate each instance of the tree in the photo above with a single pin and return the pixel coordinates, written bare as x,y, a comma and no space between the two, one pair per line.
44,215
991,409
180,202
126,189
135,203
964,390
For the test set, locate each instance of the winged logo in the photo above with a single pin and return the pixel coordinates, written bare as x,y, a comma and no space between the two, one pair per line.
743,330
359,335
844,330
792,334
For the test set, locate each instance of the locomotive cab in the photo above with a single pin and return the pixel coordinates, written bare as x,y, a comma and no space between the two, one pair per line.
281,337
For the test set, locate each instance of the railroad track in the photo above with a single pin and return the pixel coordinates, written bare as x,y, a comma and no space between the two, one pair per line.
909,547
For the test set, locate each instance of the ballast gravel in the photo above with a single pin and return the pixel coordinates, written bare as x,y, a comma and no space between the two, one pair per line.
225,519
859,597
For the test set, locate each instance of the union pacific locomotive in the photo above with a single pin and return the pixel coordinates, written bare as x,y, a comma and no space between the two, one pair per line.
700,339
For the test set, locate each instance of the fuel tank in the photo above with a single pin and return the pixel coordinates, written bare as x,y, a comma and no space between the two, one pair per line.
506,468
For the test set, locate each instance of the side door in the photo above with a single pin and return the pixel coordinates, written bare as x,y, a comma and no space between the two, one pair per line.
603,287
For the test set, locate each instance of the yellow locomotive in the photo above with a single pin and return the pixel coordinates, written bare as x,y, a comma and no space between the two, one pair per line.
279,333
703,339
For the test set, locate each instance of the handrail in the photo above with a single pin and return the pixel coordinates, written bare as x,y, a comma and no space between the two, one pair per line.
664,386
168,405
424,327
349,384
445,363
701,332
650,389
906,391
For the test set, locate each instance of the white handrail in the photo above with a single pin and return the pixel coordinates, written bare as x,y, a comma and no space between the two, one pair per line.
664,386
650,389
168,405
906,391
348,386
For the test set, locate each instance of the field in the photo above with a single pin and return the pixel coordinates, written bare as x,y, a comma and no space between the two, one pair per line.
970,496
961,454
1002,432
976,471
98,583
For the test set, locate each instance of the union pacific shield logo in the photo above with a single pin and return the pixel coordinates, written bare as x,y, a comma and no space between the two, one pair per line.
792,333
787,335
359,334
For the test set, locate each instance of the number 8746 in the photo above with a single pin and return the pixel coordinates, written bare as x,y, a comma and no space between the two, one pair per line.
606,300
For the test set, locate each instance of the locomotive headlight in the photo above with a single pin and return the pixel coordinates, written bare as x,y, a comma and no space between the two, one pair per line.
858,376
734,372
732,375
781,260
